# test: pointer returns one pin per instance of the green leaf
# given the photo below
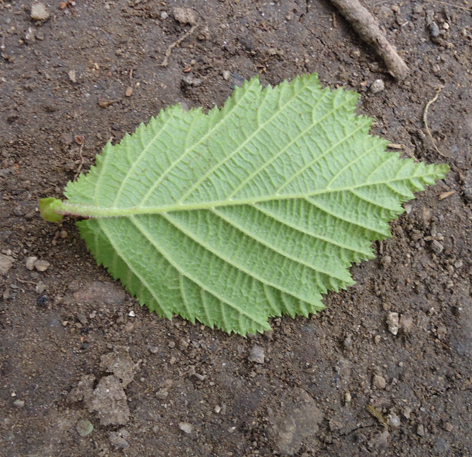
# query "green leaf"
(251, 211)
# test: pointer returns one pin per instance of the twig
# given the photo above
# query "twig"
(365, 25)
(425, 119)
(165, 62)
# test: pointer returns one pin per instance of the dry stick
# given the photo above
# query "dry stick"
(365, 25)
(165, 62)
(425, 119)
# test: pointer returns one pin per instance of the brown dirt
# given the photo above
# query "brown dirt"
(60, 327)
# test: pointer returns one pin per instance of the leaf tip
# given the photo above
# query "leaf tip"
(47, 209)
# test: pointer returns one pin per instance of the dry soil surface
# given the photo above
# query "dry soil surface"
(78, 352)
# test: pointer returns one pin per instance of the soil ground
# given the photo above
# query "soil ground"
(339, 383)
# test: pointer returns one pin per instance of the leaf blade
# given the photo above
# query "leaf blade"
(247, 212)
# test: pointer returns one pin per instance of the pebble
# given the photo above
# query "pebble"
(377, 86)
(164, 15)
(185, 16)
(162, 394)
(348, 342)
(29, 35)
(420, 430)
(30, 262)
(226, 75)
(186, 427)
(19, 403)
(6, 262)
(41, 265)
(386, 261)
(433, 29)
(379, 382)
(257, 355)
(394, 421)
(40, 287)
(437, 247)
(39, 12)
(393, 323)
(84, 427)
(448, 427)
(117, 439)
(183, 344)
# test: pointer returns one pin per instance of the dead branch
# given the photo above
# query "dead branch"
(365, 25)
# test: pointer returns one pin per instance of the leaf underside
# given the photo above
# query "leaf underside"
(248, 212)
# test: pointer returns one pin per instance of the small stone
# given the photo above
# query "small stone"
(41, 265)
(185, 16)
(420, 430)
(393, 323)
(84, 427)
(257, 355)
(217, 409)
(29, 35)
(448, 427)
(348, 343)
(379, 382)
(394, 421)
(164, 15)
(347, 398)
(40, 287)
(39, 12)
(72, 76)
(6, 262)
(162, 394)
(406, 323)
(117, 439)
(19, 403)
(407, 412)
(186, 427)
(226, 75)
(183, 344)
(30, 262)
(433, 29)
(437, 247)
(82, 318)
(377, 86)
(386, 261)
